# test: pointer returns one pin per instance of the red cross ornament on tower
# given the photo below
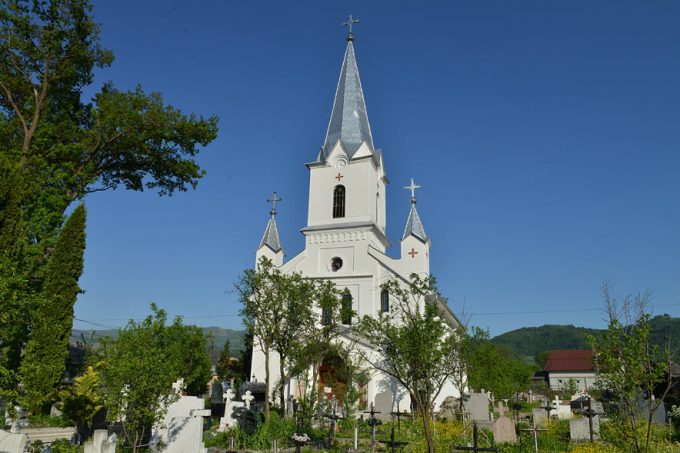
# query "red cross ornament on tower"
(413, 252)
(339, 177)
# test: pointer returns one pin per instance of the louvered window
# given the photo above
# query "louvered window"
(346, 309)
(385, 301)
(339, 201)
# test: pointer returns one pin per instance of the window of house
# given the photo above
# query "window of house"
(339, 201)
(346, 308)
(385, 301)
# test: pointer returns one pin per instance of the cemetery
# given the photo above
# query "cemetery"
(360, 341)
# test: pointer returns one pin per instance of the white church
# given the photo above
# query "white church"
(345, 235)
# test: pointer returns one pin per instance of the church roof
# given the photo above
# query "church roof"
(349, 120)
(414, 227)
(271, 236)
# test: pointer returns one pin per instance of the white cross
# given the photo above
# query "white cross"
(557, 401)
(178, 385)
(501, 409)
(412, 188)
(228, 396)
(247, 398)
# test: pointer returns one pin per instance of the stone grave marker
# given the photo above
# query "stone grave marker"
(503, 428)
(579, 428)
(383, 404)
(477, 406)
(101, 442)
(182, 427)
(12, 442)
(539, 415)
(231, 411)
(563, 411)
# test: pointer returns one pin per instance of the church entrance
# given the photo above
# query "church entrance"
(344, 381)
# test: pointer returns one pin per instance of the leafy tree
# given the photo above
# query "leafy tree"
(297, 318)
(224, 362)
(414, 344)
(139, 367)
(631, 367)
(56, 147)
(82, 401)
(494, 368)
(42, 369)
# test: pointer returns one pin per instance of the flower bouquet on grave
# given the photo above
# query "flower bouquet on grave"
(300, 440)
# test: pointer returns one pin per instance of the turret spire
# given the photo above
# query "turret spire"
(349, 121)
(414, 227)
(271, 233)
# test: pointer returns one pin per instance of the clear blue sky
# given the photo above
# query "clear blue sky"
(546, 136)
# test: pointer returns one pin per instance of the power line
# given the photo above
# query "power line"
(532, 312)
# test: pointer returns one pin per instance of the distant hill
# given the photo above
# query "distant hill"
(219, 334)
(528, 342)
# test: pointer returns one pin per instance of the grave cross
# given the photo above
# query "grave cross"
(228, 396)
(372, 422)
(393, 443)
(475, 443)
(334, 417)
(399, 414)
(590, 413)
(534, 430)
(247, 398)
(501, 410)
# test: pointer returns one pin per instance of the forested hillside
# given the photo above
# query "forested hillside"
(528, 342)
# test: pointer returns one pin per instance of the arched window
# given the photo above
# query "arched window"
(339, 201)
(326, 316)
(385, 300)
(346, 309)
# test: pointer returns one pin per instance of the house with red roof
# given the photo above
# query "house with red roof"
(565, 365)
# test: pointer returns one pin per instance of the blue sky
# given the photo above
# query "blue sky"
(546, 136)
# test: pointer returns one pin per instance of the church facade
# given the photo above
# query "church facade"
(345, 235)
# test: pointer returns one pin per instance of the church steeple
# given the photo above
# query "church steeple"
(414, 227)
(270, 245)
(349, 121)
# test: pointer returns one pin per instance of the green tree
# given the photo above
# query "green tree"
(188, 353)
(56, 147)
(224, 361)
(139, 367)
(414, 344)
(81, 401)
(630, 367)
(42, 369)
(494, 368)
(297, 318)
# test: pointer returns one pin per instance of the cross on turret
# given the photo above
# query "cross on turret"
(412, 187)
(273, 200)
(351, 21)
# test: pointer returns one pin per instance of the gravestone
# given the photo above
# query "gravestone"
(563, 411)
(231, 411)
(182, 427)
(503, 428)
(383, 404)
(539, 415)
(216, 391)
(101, 442)
(12, 442)
(659, 414)
(477, 406)
(579, 428)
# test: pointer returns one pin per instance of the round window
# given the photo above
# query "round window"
(336, 264)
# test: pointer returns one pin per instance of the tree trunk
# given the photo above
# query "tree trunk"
(425, 413)
(282, 397)
(266, 385)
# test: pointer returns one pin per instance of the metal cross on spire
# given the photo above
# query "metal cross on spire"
(412, 188)
(273, 200)
(351, 21)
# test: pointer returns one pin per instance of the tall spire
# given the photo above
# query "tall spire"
(414, 227)
(349, 121)
(271, 233)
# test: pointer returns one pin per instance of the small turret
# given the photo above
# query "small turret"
(415, 244)
(270, 245)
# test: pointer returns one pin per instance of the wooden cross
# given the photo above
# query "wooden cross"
(351, 21)
(339, 177)
(413, 252)
(534, 430)
(475, 442)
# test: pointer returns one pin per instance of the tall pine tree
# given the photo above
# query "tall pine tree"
(42, 368)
